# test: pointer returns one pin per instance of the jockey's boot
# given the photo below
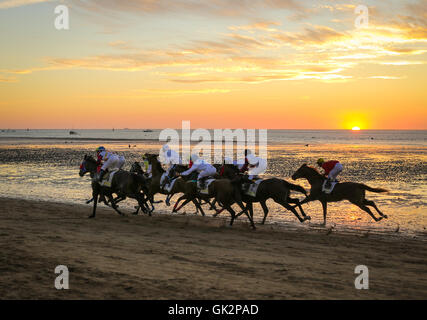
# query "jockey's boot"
(101, 175)
(328, 184)
(102, 197)
(202, 183)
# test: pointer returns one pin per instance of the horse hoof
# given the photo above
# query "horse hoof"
(307, 218)
(385, 216)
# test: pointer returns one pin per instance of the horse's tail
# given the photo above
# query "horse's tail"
(378, 190)
(295, 187)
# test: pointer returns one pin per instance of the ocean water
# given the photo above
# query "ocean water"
(401, 137)
(44, 164)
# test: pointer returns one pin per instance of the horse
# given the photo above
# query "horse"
(351, 191)
(225, 192)
(124, 184)
(277, 189)
(155, 185)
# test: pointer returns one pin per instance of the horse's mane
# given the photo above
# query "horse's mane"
(158, 164)
(90, 158)
(314, 169)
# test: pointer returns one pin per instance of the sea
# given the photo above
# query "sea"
(44, 165)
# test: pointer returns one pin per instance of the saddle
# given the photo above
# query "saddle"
(203, 186)
(251, 188)
(331, 188)
(107, 179)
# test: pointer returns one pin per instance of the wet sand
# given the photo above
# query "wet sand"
(190, 257)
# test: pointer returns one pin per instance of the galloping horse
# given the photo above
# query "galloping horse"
(124, 184)
(351, 191)
(276, 189)
(155, 185)
(225, 192)
(279, 190)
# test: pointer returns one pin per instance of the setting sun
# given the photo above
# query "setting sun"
(355, 129)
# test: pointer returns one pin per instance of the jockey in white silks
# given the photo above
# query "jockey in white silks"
(110, 161)
(204, 168)
(169, 158)
(257, 166)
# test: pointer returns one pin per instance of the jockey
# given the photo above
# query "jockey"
(242, 165)
(245, 166)
(256, 166)
(204, 169)
(332, 170)
(147, 167)
(169, 158)
(110, 161)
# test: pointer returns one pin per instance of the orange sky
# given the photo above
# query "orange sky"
(267, 64)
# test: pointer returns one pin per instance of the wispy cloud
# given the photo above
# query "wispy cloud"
(19, 3)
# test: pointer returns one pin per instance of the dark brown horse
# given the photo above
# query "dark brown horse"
(279, 190)
(351, 191)
(124, 184)
(276, 189)
(155, 184)
(225, 192)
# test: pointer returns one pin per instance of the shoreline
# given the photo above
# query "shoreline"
(190, 257)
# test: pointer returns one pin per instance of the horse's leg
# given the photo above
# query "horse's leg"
(89, 201)
(184, 203)
(232, 212)
(168, 199)
(366, 209)
(243, 211)
(177, 202)
(372, 204)
(213, 205)
(114, 206)
(198, 206)
(325, 210)
(240, 203)
(264, 207)
(142, 204)
(307, 199)
(95, 202)
(289, 207)
(298, 204)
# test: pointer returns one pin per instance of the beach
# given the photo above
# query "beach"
(169, 256)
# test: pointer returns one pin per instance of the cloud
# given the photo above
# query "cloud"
(8, 80)
(386, 77)
(217, 7)
(261, 25)
(19, 3)
(311, 35)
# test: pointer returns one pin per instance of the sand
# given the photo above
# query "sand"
(191, 257)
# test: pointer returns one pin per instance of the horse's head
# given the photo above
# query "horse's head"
(136, 168)
(230, 171)
(89, 164)
(153, 159)
(301, 172)
(305, 172)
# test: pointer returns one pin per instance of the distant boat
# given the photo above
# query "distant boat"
(73, 132)
(148, 130)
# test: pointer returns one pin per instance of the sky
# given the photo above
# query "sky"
(277, 64)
